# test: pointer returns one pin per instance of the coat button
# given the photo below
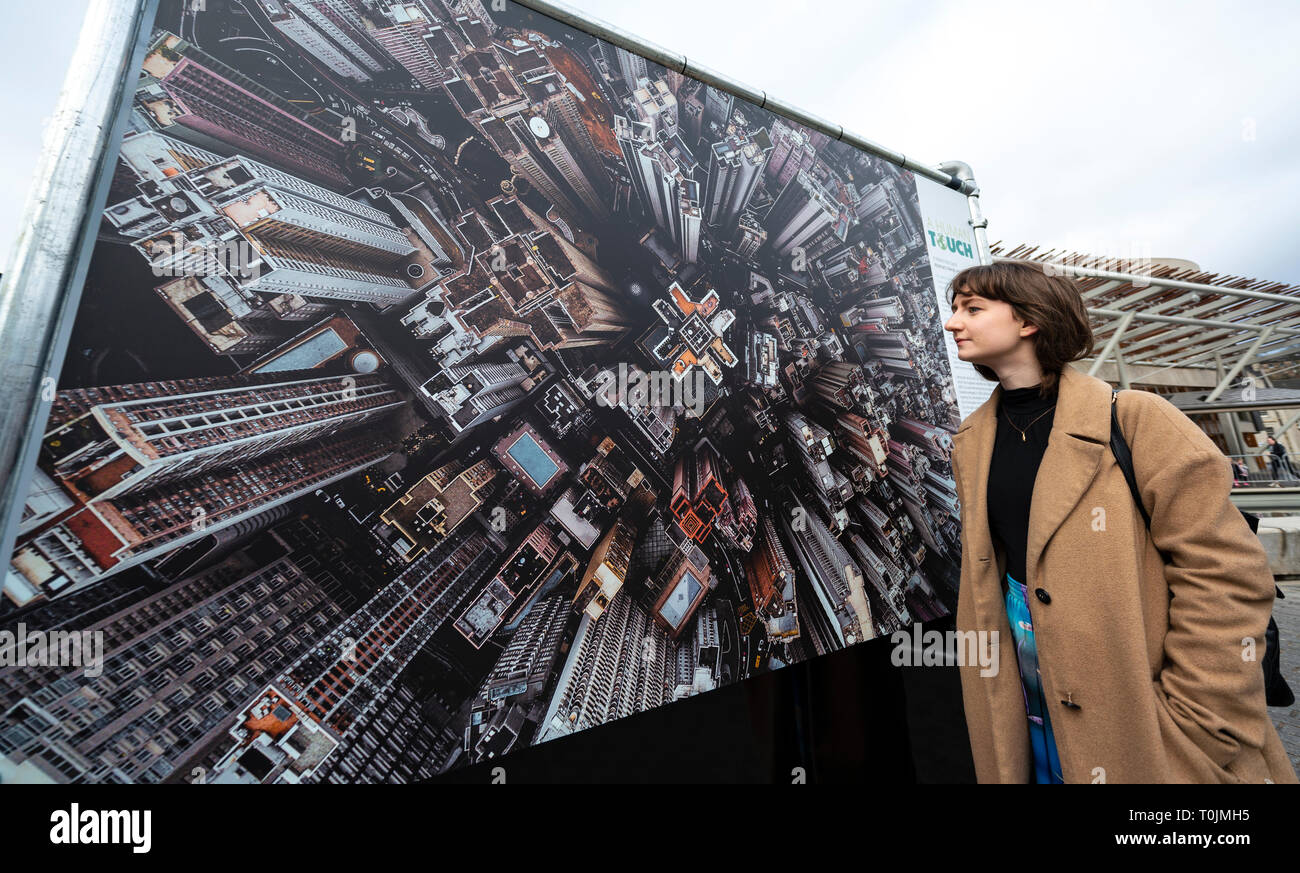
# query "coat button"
(1042, 595)
(1069, 701)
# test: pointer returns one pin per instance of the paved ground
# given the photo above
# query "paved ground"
(1287, 614)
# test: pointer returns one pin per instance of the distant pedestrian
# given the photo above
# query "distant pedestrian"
(1278, 461)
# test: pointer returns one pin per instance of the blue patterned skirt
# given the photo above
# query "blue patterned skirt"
(1047, 767)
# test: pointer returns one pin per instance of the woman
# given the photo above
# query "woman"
(1116, 667)
(1278, 462)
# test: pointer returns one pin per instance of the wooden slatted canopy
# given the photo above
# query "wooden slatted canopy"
(1168, 313)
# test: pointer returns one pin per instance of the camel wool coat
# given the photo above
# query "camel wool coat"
(1151, 672)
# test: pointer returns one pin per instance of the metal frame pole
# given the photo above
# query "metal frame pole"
(41, 287)
(1236, 368)
(962, 170)
(1111, 345)
(679, 62)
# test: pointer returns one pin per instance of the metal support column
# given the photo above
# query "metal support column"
(1226, 381)
(1112, 344)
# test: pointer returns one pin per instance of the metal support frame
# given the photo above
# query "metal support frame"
(41, 287)
(978, 222)
(1286, 426)
(1237, 367)
(1111, 344)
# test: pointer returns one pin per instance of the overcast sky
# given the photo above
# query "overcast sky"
(1163, 128)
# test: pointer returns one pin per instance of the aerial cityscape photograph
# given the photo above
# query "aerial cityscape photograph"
(448, 381)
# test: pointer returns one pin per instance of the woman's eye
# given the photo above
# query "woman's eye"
(972, 309)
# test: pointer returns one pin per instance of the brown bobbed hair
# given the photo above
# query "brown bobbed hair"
(1050, 303)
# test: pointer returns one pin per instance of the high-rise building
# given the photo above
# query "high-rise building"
(761, 359)
(888, 585)
(531, 165)
(691, 338)
(814, 445)
(690, 110)
(150, 156)
(631, 67)
(534, 562)
(604, 483)
(662, 174)
(437, 504)
(179, 663)
(537, 126)
(187, 89)
(699, 657)
(717, 112)
(213, 268)
(771, 583)
(338, 691)
(806, 214)
(835, 610)
(152, 466)
(866, 440)
(555, 140)
(528, 281)
(840, 385)
(619, 664)
(406, 30)
(738, 518)
(735, 167)
(792, 151)
(749, 237)
(894, 351)
(528, 456)
(655, 105)
(699, 492)
(510, 701)
(470, 394)
(327, 30)
(395, 741)
(679, 588)
(472, 9)
(259, 231)
(607, 569)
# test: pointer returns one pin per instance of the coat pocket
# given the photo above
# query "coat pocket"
(1183, 760)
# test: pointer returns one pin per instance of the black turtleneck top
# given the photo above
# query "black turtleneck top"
(1013, 469)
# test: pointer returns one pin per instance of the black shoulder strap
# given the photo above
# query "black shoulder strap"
(1119, 448)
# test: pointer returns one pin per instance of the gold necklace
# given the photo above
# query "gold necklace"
(1022, 432)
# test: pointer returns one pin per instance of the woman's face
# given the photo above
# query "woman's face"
(986, 331)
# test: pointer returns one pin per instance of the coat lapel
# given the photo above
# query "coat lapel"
(1080, 433)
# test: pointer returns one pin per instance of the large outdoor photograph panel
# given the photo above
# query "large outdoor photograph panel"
(448, 381)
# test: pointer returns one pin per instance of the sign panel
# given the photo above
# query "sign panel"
(950, 243)
(447, 380)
